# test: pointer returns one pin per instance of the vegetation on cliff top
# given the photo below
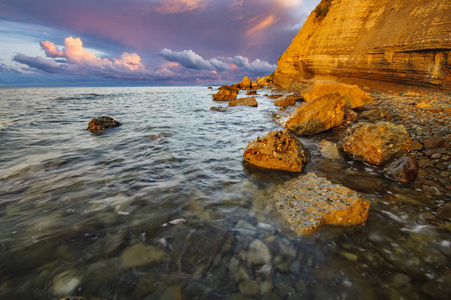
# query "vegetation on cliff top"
(323, 8)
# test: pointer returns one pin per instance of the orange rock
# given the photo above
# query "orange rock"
(277, 150)
(226, 93)
(249, 101)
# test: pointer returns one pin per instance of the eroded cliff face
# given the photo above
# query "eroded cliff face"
(398, 41)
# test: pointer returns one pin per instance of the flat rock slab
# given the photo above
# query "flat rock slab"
(277, 150)
(308, 202)
(248, 101)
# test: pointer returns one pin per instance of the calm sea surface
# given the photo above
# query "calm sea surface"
(163, 207)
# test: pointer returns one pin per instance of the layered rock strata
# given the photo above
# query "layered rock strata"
(277, 150)
(307, 202)
(400, 41)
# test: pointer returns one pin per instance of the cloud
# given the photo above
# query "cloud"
(187, 58)
(179, 6)
(262, 25)
(38, 63)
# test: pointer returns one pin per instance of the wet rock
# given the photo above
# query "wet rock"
(275, 96)
(245, 84)
(318, 115)
(434, 142)
(444, 212)
(277, 150)
(65, 284)
(248, 288)
(141, 255)
(249, 101)
(226, 93)
(376, 143)
(350, 116)
(372, 115)
(289, 100)
(252, 92)
(307, 202)
(102, 123)
(258, 253)
(329, 150)
(355, 97)
(218, 108)
(403, 169)
(210, 87)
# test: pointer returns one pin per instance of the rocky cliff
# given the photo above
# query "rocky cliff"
(397, 41)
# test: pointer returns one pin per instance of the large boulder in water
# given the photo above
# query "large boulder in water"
(289, 100)
(307, 202)
(226, 93)
(245, 84)
(376, 143)
(277, 150)
(318, 115)
(403, 169)
(249, 101)
(354, 96)
(102, 123)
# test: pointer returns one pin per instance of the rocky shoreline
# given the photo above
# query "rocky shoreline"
(408, 134)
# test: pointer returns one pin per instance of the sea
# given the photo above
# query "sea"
(164, 207)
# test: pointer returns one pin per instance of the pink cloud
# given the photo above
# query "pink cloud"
(75, 53)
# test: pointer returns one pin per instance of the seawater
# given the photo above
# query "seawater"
(164, 207)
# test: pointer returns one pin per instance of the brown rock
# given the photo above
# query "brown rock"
(329, 150)
(245, 84)
(415, 146)
(277, 150)
(350, 116)
(274, 96)
(289, 100)
(226, 93)
(354, 96)
(252, 92)
(318, 115)
(376, 143)
(444, 212)
(372, 115)
(307, 202)
(434, 142)
(409, 42)
(404, 169)
(249, 101)
(102, 123)
(433, 109)
(218, 108)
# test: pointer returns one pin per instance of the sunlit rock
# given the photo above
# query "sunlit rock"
(226, 93)
(354, 96)
(376, 143)
(65, 284)
(277, 150)
(403, 169)
(289, 100)
(102, 123)
(308, 202)
(318, 115)
(245, 84)
(248, 101)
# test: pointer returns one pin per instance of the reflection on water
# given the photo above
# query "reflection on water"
(164, 207)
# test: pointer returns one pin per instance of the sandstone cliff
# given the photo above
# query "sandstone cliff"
(398, 41)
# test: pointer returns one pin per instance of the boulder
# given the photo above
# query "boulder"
(102, 123)
(249, 101)
(329, 150)
(277, 150)
(226, 93)
(403, 169)
(354, 96)
(307, 202)
(376, 143)
(289, 100)
(245, 84)
(251, 92)
(318, 115)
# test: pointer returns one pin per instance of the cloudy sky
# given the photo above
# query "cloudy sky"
(144, 42)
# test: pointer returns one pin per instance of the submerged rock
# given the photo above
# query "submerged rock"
(65, 284)
(102, 123)
(318, 115)
(141, 255)
(218, 108)
(277, 150)
(258, 253)
(355, 97)
(403, 169)
(329, 150)
(376, 143)
(226, 93)
(249, 101)
(307, 202)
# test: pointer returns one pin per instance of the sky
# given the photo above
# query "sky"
(144, 42)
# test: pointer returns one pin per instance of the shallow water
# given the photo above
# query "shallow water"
(163, 207)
